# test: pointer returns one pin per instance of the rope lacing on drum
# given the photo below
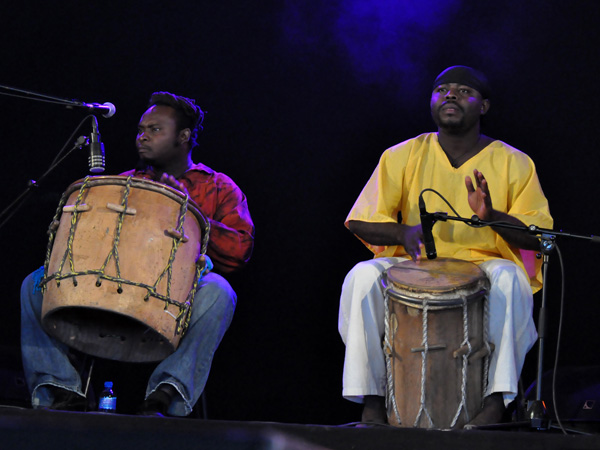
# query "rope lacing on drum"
(115, 248)
(390, 398)
(168, 270)
(201, 269)
(486, 343)
(424, 355)
(185, 307)
(54, 227)
(465, 362)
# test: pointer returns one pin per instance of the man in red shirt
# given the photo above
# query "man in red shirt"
(167, 133)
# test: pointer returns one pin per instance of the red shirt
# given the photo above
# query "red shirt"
(224, 205)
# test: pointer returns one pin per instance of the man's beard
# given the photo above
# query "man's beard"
(453, 127)
(150, 161)
(450, 125)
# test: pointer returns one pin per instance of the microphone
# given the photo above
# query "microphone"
(107, 108)
(427, 224)
(96, 158)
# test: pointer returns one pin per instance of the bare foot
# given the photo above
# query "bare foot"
(491, 413)
(374, 410)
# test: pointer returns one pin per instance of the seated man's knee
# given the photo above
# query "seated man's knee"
(215, 293)
(31, 293)
(369, 270)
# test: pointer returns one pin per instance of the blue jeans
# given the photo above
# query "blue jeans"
(46, 361)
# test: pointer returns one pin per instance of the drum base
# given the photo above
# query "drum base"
(107, 334)
(443, 372)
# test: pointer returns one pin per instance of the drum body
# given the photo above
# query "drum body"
(122, 268)
(435, 345)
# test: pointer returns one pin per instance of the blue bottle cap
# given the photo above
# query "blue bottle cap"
(108, 384)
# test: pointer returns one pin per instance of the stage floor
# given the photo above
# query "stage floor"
(32, 429)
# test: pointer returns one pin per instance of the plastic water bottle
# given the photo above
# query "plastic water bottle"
(108, 399)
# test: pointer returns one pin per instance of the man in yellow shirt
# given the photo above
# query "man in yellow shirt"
(477, 175)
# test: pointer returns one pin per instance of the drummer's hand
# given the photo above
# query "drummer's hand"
(413, 241)
(170, 180)
(479, 197)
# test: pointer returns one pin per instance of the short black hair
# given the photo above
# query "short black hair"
(189, 115)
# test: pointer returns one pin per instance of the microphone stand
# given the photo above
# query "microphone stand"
(11, 209)
(536, 409)
(68, 103)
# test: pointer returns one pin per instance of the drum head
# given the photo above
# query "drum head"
(437, 275)
(443, 280)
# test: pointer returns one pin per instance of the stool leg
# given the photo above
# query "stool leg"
(89, 377)
(204, 407)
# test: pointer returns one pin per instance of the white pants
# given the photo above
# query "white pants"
(361, 325)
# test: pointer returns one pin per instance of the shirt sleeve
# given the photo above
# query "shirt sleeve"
(380, 199)
(526, 202)
(224, 205)
(231, 229)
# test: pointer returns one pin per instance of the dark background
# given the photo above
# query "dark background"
(301, 100)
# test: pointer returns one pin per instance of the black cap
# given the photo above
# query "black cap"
(467, 76)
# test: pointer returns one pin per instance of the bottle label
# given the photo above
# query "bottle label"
(108, 404)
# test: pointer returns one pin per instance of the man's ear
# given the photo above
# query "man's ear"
(485, 106)
(185, 135)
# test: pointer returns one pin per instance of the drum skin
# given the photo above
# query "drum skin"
(445, 284)
(121, 321)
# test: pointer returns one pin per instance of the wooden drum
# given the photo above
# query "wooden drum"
(123, 262)
(435, 342)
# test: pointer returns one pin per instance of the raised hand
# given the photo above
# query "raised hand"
(479, 197)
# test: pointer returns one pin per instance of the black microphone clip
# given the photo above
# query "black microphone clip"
(427, 221)
(96, 158)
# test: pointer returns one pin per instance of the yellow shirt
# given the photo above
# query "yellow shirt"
(411, 166)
